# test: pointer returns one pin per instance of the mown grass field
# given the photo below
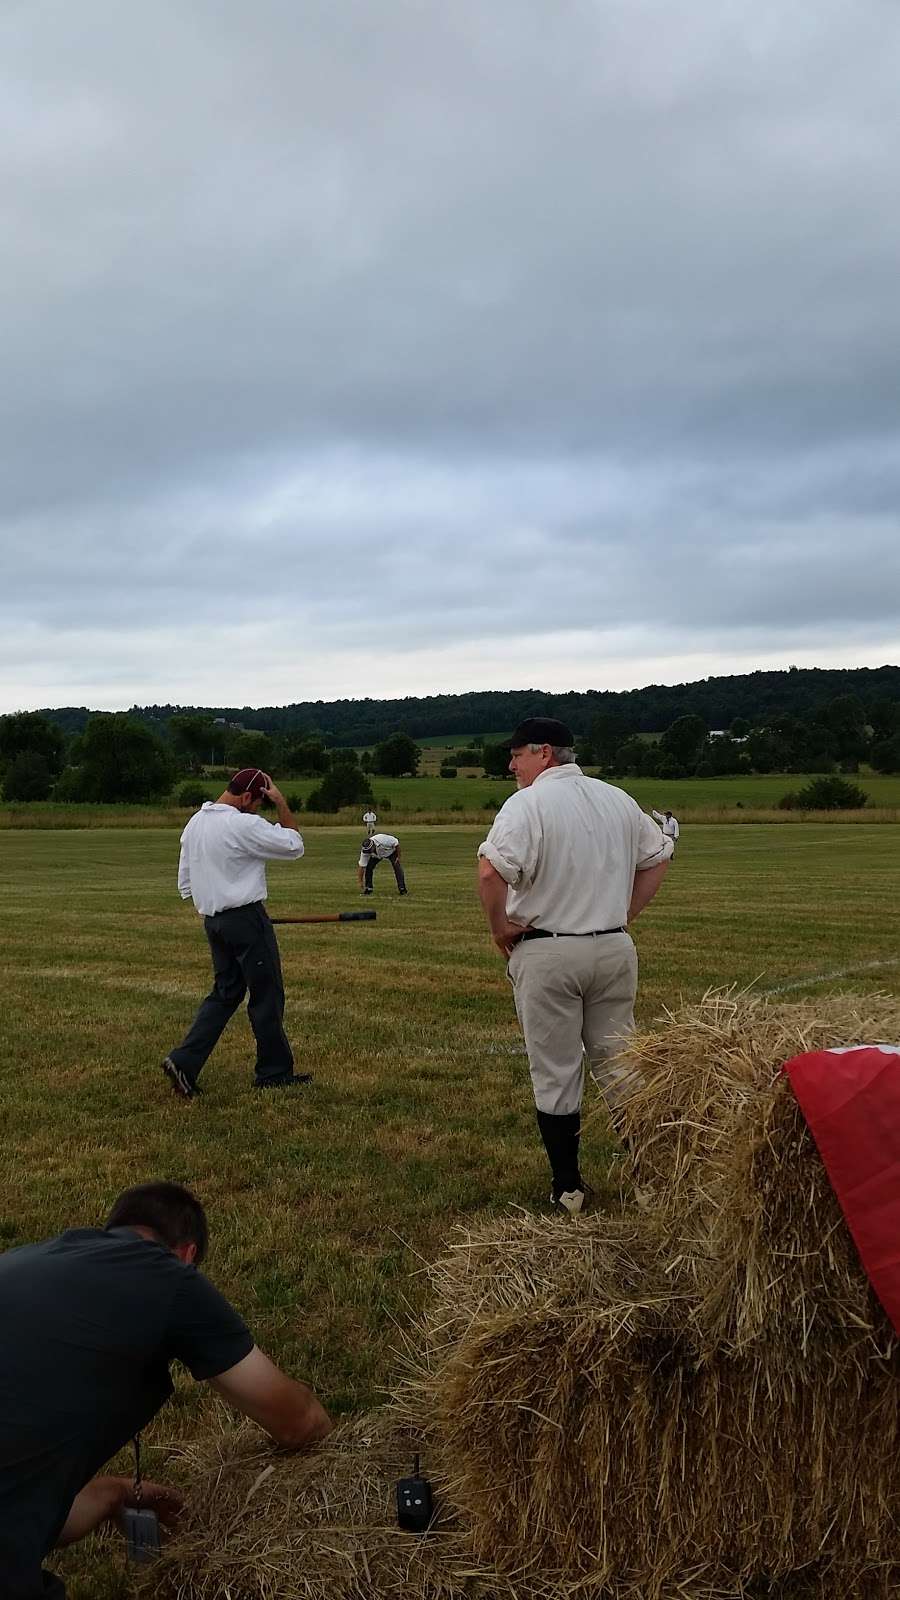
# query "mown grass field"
(323, 1203)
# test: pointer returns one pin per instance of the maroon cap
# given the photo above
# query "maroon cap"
(250, 780)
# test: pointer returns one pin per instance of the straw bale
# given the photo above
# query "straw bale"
(267, 1525)
(777, 1262)
(594, 1441)
(703, 1065)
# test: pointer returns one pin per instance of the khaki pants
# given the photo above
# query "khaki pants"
(575, 999)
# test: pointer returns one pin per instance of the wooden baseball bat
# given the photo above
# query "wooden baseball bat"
(329, 916)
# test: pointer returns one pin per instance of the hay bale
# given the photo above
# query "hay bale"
(267, 1525)
(774, 1259)
(704, 1064)
(590, 1434)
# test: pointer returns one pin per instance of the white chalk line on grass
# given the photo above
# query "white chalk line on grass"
(831, 977)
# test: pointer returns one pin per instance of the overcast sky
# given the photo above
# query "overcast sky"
(399, 346)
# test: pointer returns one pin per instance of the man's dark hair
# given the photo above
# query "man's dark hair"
(169, 1209)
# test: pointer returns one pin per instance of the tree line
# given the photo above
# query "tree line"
(119, 758)
(757, 697)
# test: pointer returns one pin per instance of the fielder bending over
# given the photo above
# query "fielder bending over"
(380, 847)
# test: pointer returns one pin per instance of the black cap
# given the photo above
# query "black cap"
(542, 730)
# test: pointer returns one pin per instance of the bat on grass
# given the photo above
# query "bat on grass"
(328, 916)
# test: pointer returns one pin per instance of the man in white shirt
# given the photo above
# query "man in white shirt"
(370, 819)
(568, 863)
(669, 825)
(224, 849)
(379, 847)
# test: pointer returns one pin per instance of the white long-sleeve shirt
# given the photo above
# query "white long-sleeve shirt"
(568, 847)
(223, 856)
(669, 825)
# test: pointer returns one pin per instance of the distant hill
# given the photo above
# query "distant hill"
(754, 695)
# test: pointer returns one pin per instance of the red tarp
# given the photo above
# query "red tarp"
(851, 1101)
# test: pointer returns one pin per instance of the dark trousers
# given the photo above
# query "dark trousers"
(245, 960)
(393, 858)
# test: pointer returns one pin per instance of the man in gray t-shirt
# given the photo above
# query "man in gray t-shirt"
(89, 1322)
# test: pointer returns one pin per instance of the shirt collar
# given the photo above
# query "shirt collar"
(571, 768)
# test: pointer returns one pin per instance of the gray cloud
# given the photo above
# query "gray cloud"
(433, 331)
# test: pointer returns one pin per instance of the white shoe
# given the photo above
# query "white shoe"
(570, 1202)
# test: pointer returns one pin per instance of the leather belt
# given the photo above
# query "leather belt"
(546, 933)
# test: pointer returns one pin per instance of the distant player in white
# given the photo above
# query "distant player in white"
(370, 819)
(380, 847)
(669, 824)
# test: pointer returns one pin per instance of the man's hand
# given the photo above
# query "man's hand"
(104, 1499)
(289, 1411)
(507, 935)
(285, 814)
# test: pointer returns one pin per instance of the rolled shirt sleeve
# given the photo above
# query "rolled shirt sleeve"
(270, 841)
(653, 845)
(512, 845)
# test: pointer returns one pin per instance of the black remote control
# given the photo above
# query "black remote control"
(415, 1502)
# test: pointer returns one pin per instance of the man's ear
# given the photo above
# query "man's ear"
(186, 1253)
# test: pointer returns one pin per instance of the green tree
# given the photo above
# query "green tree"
(197, 741)
(396, 756)
(630, 757)
(495, 759)
(719, 758)
(344, 785)
(121, 759)
(191, 794)
(845, 719)
(250, 748)
(302, 758)
(28, 731)
(682, 742)
(609, 731)
(884, 719)
(28, 777)
(740, 728)
(885, 756)
(826, 794)
(344, 756)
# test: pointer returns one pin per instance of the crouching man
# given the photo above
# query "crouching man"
(89, 1322)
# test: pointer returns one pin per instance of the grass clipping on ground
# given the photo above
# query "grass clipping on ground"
(701, 1399)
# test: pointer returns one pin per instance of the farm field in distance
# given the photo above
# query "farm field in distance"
(322, 1202)
(682, 794)
(401, 800)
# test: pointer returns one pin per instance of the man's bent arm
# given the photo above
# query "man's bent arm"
(285, 814)
(492, 894)
(644, 888)
(289, 1411)
(184, 875)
